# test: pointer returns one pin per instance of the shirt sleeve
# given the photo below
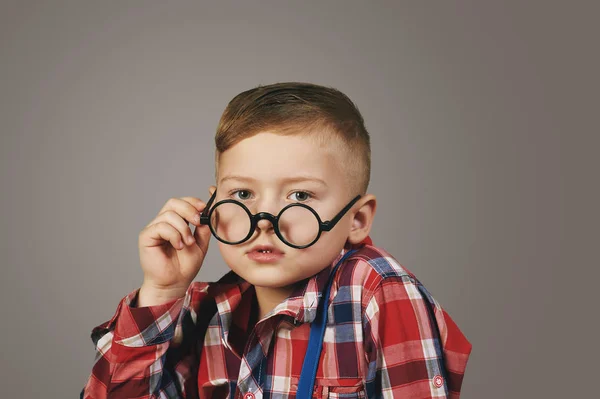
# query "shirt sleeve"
(414, 349)
(149, 352)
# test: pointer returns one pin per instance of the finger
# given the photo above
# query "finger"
(164, 232)
(188, 210)
(195, 202)
(175, 220)
(198, 205)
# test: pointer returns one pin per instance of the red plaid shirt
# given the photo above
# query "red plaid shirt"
(386, 337)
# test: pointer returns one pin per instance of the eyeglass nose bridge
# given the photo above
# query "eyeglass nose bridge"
(263, 215)
(254, 219)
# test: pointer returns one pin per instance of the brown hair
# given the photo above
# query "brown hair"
(292, 108)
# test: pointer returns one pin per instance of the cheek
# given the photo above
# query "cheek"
(322, 253)
(338, 235)
(231, 255)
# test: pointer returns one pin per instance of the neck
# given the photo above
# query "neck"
(269, 297)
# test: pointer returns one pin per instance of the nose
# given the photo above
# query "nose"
(264, 225)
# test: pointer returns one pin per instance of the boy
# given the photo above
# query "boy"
(292, 171)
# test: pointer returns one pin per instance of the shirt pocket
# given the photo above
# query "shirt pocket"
(334, 389)
(341, 392)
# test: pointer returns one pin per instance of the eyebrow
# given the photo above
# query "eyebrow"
(295, 179)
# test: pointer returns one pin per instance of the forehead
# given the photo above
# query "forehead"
(269, 157)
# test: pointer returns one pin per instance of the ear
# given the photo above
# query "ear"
(362, 219)
(211, 190)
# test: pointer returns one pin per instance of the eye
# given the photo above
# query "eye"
(301, 196)
(244, 195)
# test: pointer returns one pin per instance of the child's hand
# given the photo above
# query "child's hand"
(170, 262)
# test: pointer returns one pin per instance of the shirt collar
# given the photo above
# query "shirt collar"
(301, 304)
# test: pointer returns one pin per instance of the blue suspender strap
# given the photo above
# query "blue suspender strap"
(315, 341)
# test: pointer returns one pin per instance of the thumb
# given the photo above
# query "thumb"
(202, 235)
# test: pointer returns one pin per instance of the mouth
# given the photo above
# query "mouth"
(265, 254)
(265, 249)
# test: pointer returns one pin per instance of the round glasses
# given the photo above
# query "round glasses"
(297, 225)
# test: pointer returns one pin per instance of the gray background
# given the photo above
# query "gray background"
(484, 126)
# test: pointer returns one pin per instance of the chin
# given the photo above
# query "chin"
(279, 274)
(268, 277)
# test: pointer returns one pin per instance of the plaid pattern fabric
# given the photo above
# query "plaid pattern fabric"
(386, 337)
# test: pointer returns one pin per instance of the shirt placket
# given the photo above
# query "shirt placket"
(253, 366)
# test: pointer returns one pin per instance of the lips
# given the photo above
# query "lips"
(265, 254)
(266, 249)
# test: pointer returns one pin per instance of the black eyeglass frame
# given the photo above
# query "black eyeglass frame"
(206, 214)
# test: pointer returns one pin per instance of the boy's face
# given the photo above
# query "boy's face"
(257, 172)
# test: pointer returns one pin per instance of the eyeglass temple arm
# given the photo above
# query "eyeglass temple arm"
(204, 216)
(326, 226)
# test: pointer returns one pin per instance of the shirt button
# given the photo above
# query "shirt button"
(438, 381)
(249, 395)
